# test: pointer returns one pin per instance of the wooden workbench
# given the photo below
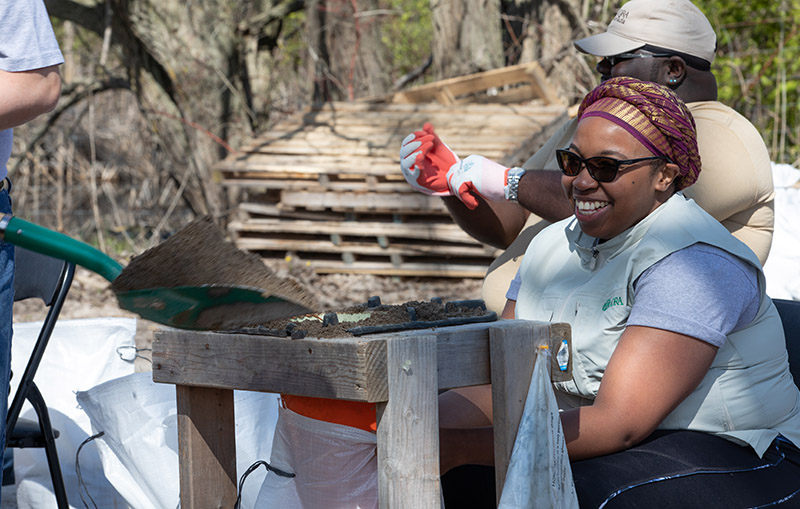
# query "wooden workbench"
(402, 372)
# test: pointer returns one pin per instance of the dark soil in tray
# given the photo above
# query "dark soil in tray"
(374, 317)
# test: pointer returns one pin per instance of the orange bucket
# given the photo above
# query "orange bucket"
(356, 414)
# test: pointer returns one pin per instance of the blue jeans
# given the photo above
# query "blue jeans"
(6, 319)
(690, 469)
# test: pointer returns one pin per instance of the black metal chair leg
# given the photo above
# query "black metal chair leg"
(37, 401)
(41, 277)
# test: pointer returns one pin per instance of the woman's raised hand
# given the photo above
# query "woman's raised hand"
(425, 161)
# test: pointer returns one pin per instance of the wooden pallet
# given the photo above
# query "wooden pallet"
(425, 231)
(318, 145)
(513, 84)
(252, 210)
(325, 184)
(422, 248)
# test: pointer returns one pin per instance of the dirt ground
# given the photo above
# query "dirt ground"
(91, 297)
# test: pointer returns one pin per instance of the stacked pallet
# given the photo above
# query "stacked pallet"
(325, 185)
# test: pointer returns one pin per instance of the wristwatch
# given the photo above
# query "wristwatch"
(512, 183)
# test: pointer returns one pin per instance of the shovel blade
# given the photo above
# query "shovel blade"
(208, 307)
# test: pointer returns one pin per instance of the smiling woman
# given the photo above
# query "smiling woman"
(681, 394)
(650, 377)
(625, 125)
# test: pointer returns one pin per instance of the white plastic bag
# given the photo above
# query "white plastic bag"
(139, 448)
(336, 466)
(539, 474)
(782, 269)
(81, 354)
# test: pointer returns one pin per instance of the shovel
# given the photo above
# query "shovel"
(204, 307)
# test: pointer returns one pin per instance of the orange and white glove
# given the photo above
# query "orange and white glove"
(425, 160)
(479, 175)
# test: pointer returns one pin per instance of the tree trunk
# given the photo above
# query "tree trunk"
(543, 31)
(188, 66)
(318, 60)
(359, 60)
(466, 37)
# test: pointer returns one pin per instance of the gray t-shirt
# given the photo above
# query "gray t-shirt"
(27, 42)
(718, 294)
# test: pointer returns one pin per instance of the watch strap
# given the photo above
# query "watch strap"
(512, 183)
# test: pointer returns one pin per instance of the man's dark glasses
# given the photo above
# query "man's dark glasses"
(601, 168)
(615, 59)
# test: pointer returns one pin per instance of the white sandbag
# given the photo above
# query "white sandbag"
(139, 448)
(539, 474)
(81, 354)
(782, 269)
(336, 466)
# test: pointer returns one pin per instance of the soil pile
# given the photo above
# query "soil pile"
(373, 317)
(199, 255)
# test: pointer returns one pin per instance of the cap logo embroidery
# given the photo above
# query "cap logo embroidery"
(621, 16)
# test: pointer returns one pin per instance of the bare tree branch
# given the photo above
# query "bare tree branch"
(134, 49)
(75, 93)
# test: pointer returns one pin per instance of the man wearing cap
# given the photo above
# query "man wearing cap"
(669, 42)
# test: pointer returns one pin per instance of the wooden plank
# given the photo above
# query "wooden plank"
(285, 162)
(449, 232)
(514, 95)
(478, 82)
(365, 152)
(306, 177)
(512, 351)
(319, 178)
(345, 369)
(253, 210)
(492, 78)
(258, 182)
(393, 123)
(368, 148)
(386, 202)
(418, 108)
(463, 355)
(455, 120)
(301, 246)
(451, 269)
(261, 167)
(206, 441)
(540, 83)
(351, 368)
(463, 117)
(408, 426)
(383, 128)
(249, 210)
(463, 351)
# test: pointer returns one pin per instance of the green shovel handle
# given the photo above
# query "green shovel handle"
(41, 240)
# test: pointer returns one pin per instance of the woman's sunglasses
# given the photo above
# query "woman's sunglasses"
(601, 168)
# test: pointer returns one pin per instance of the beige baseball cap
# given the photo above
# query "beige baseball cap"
(676, 25)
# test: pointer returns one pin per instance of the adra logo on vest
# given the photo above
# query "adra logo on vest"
(616, 301)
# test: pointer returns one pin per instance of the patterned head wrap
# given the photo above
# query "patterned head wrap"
(654, 115)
